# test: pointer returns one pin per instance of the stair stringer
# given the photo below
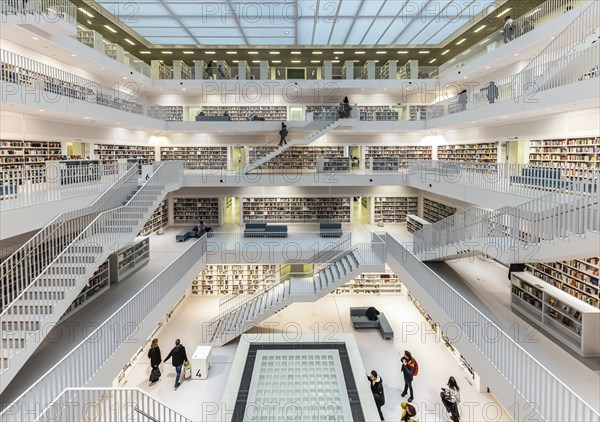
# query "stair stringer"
(250, 323)
(14, 358)
(303, 141)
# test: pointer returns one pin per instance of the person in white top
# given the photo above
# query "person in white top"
(508, 31)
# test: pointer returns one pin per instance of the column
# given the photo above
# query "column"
(199, 66)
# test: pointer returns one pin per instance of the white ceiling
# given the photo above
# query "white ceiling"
(308, 23)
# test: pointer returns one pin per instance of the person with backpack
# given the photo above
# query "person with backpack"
(450, 398)
(377, 390)
(179, 357)
(410, 369)
(408, 411)
(155, 359)
(282, 134)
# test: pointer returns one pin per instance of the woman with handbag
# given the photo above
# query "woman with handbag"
(450, 398)
(155, 359)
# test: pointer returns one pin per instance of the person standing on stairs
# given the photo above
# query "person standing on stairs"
(377, 390)
(178, 356)
(155, 360)
(282, 134)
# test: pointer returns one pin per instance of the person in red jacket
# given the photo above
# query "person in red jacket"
(408, 370)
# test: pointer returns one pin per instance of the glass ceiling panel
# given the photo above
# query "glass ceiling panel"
(208, 23)
(126, 12)
(166, 32)
(305, 31)
(271, 41)
(322, 33)
(155, 22)
(447, 31)
(359, 28)
(391, 8)
(171, 40)
(349, 8)
(376, 30)
(409, 32)
(341, 30)
(371, 7)
(215, 32)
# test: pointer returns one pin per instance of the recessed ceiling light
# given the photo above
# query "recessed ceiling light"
(423, 52)
(461, 41)
(110, 28)
(465, 77)
(315, 61)
(445, 52)
(338, 52)
(252, 52)
(296, 61)
(275, 61)
(167, 52)
(255, 61)
(35, 38)
(118, 123)
(487, 67)
(236, 61)
(286, 32)
(484, 41)
(432, 61)
(274, 52)
(516, 54)
(296, 52)
(86, 118)
(480, 28)
(209, 52)
(231, 52)
(359, 52)
(42, 110)
(129, 41)
(451, 61)
(502, 13)
(188, 52)
(376, 61)
(144, 52)
(466, 52)
(73, 55)
(504, 117)
(335, 61)
(403, 52)
(317, 52)
(85, 12)
(380, 52)
(124, 77)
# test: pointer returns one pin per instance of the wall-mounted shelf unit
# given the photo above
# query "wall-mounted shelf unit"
(434, 211)
(243, 112)
(403, 152)
(17, 155)
(197, 158)
(579, 154)
(377, 113)
(234, 279)
(296, 210)
(394, 209)
(415, 223)
(470, 153)
(333, 165)
(158, 220)
(568, 320)
(373, 283)
(295, 158)
(417, 112)
(188, 211)
(129, 259)
(577, 277)
(111, 153)
(98, 284)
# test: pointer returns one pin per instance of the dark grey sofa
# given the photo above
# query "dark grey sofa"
(265, 230)
(360, 320)
(185, 234)
(330, 229)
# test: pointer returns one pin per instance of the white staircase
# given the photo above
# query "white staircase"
(250, 310)
(558, 226)
(323, 127)
(42, 302)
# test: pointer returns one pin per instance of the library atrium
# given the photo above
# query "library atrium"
(300, 210)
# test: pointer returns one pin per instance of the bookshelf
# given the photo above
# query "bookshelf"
(373, 283)
(243, 112)
(99, 283)
(129, 259)
(415, 223)
(111, 153)
(333, 165)
(188, 211)
(294, 158)
(470, 153)
(296, 210)
(197, 158)
(394, 209)
(377, 113)
(566, 319)
(17, 155)
(403, 152)
(434, 211)
(577, 277)
(234, 279)
(417, 112)
(323, 112)
(579, 154)
(158, 220)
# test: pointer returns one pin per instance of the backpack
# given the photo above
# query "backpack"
(416, 371)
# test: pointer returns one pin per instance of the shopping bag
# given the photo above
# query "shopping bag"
(187, 370)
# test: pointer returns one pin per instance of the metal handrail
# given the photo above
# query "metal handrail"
(42, 237)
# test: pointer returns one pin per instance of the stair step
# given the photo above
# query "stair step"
(55, 295)
(13, 343)
(27, 307)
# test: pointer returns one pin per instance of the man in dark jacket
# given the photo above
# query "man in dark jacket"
(372, 313)
(377, 390)
(408, 370)
(179, 356)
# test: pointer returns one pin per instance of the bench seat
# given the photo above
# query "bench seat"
(185, 234)
(360, 320)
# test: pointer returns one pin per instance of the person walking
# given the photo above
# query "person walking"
(492, 92)
(377, 390)
(508, 30)
(450, 398)
(408, 411)
(210, 70)
(178, 356)
(283, 132)
(408, 370)
(155, 359)
(220, 72)
(462, 100)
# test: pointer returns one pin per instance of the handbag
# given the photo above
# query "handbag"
(187, 370)
(154, 374)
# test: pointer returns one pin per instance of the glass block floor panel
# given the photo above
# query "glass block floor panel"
(298, 385)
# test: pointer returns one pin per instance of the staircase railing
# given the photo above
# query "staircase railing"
(61, 8)
(233, 302)
(548, 396)
(555, 215)
(109, 405)
(80, 365)
(27, 262)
